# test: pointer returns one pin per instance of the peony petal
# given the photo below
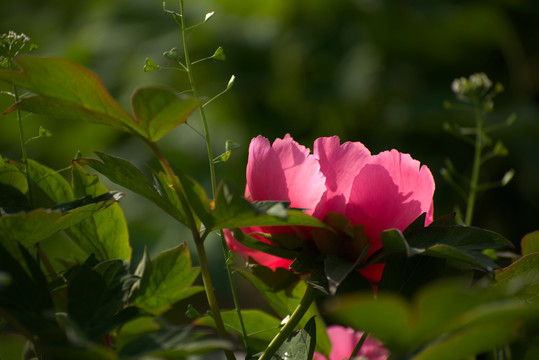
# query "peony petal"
(273, 262)
(284, 172)
(340, 164)
(391, 191)
(344, 340)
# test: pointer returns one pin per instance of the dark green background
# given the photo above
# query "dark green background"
(367, 70)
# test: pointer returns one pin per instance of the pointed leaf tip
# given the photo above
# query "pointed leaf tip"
(209, 16)
(219, 54)
(231, 82)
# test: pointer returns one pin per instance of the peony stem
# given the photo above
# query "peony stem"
(474, 180)
(358, 346)
(308, 298)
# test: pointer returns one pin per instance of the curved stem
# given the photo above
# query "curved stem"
(474, 180)
(308, 298)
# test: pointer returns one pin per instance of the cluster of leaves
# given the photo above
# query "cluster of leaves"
(98, 309)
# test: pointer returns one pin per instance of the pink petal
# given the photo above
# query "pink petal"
(344, 340)
(390, 192)
(284, 172)
(273, 262)
(340, 164)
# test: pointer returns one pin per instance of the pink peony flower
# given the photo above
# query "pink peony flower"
(344, 340)
(384, 191)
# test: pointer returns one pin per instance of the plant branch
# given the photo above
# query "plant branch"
(308, 298)
(474, 180)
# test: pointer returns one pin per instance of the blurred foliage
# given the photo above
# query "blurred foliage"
(375, 71)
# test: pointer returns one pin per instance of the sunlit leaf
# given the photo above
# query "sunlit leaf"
(165, 280)
(260, 327)
(158, 110)
(522, 276)
(123, 173)
(65, 90)
(530, 243)
(104, 234)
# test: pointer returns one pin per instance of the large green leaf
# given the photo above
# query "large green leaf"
(261, 328)
(123, 173)
(49, 187)
(523, 277)
(440, 312)
(158, 110)
(172, 343)
(283, 291)
(530, 243)
(460, 244)
(31, 227)
(104, 233)
(66, 90)
(165, 280)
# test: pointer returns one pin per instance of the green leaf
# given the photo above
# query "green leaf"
(258, 245)
(530, 243)
(261, 328)
(458, 244)
(408, 328)
(96, 297)
(26, 301)
(299, 346)
(165, 280)
(232, 210)
(31, 227)
(283, 291)
(522, 276)
(158, 110)
(150, 65)
(65, 90)
(49, 187)
(337, 269)
(123, 173)
(172, 343)
(105, 233)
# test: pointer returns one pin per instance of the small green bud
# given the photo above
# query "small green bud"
(230, 260)
(149, 65)
(11, 45)
(44, 132)
(219, 54)
(171, 54)
(231, 82)
(508, 177)
(209, 16)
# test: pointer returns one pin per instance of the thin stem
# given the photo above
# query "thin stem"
(23, 149)
(310, 295)
(358, 346)
(210, 294)
(197, 98)
(474, 180)
(234, 292)
(177, 187)
(199, 241)
(200, 245)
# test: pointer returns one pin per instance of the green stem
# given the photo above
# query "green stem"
(474, 180)
(197, 98)
(234, 293)
(23, 149)
(210, 294)
(188, 68)
(308, 298)
(199, 241)
(358, 346)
